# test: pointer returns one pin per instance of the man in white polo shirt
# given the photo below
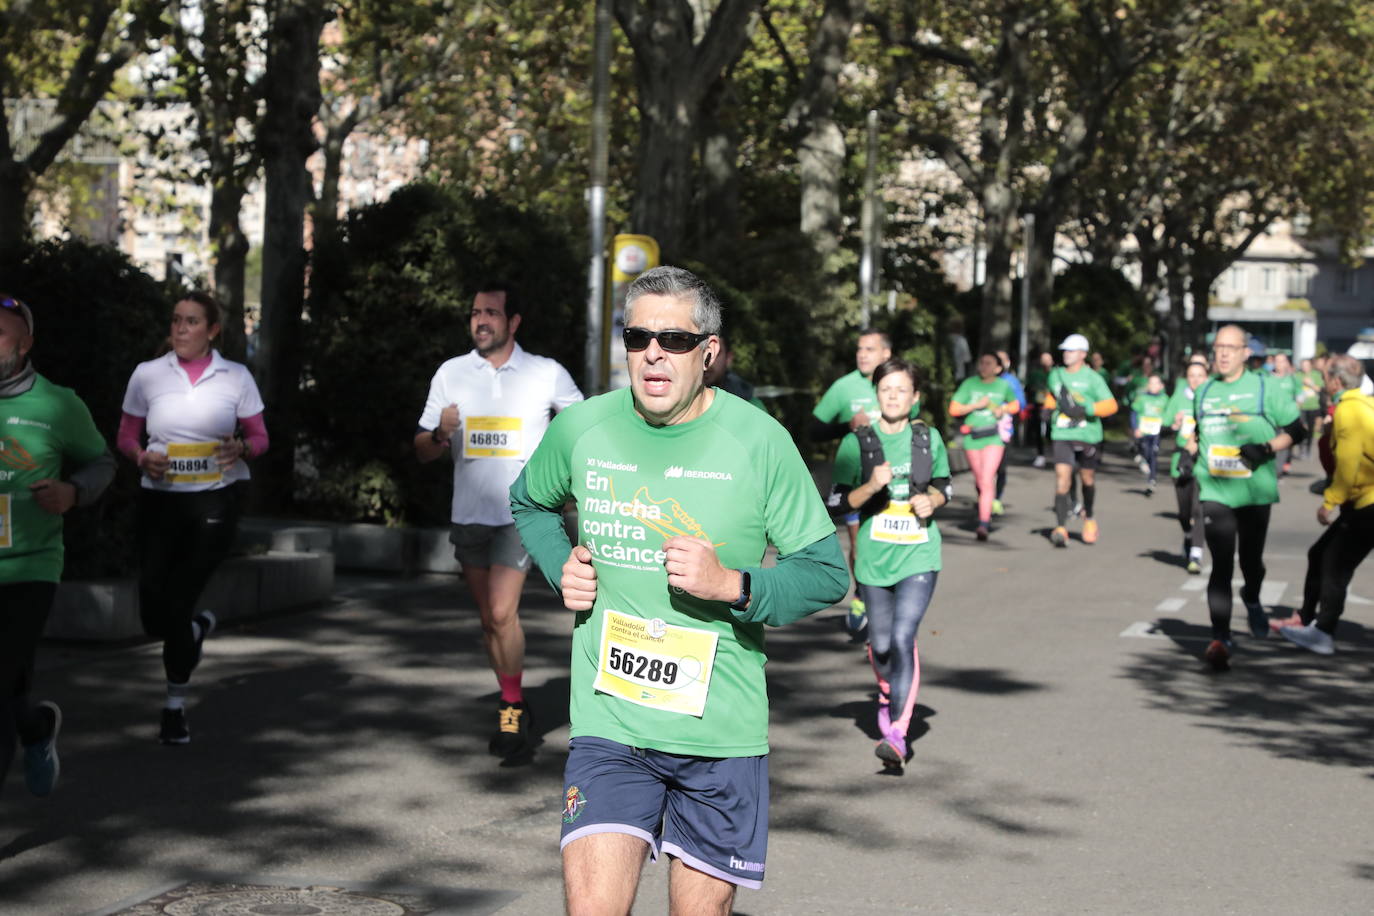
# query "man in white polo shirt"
(489, 409)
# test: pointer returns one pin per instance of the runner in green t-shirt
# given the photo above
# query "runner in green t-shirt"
(1037, 390)
(848, 404)
(981, 401)
(1243, 418)
(1147, 413)
(1310, 403)
(900, 562)
(1080, 400)
(680, 489)
(42, 426)
(1179, 417)
(1291, 386)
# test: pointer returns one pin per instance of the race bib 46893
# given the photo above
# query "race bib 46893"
(655, 664)
(1224, 461)
(493, 437)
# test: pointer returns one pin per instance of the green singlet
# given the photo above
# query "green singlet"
(38, 429)
(731, 476)
(893, 547)
(1229, 415)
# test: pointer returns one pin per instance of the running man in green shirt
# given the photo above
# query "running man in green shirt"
(42, 426)
(1310, 403)
(1147, 410)
(680, 489)
(1079, 399)
(1243, 418)
(848, 404)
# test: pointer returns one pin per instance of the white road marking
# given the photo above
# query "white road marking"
(1194, 585)
(1169, 605)
(1352, 598)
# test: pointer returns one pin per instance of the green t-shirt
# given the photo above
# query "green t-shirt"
(1180, 402)
(1310, 395)
(892, 548)
(1035, 384)
(1230, 415)
(38, 430)
(848, 395)
(1149, 412)
(732, 476)
(973, 389)
(1290, 385)
(1087, 387)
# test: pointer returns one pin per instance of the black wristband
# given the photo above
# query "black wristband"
(434, 434)
(742, 601)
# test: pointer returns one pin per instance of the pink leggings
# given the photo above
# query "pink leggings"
(984, 463)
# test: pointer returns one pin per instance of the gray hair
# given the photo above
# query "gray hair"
(1348, 370)
(682, 284)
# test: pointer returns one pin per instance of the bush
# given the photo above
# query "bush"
(389, 303)
(96, 316)
(1099, 302)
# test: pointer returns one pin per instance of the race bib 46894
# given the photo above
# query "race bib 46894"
(493, 437)
(192, 462)
(1224, 461)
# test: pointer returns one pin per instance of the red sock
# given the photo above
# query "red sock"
(510, 688)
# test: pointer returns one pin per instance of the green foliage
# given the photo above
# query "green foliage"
(96, 316)
(1100, 303)
(389, 304)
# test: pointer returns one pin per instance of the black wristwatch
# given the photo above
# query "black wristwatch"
(742, 601)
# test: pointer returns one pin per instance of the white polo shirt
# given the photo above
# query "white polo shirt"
(502, 415)
(187, 421)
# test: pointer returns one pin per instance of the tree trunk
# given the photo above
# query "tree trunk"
(1040, 275)
(821, 149)
(673, 74)
(719, 223)
(1176, 322)
(325, 213)
(1001, 225)
(229, 247)
(14, 203)
(286, 138)
(1200, 282)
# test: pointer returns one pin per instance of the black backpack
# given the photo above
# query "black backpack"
(871, 455)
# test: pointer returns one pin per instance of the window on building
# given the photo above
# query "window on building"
(1269, 280)
(1299, 282)
(1235, 279)
(1349, 284)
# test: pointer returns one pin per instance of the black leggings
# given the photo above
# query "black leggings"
(183, 537)
(1331, 563)
(1189, 509)
(24, 608)
(1245, 527)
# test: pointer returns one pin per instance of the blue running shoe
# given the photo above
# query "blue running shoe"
(41, 764)
(1257, 618)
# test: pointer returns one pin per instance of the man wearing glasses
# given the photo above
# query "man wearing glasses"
(1243, 419)
(488, 409)
(680, 489)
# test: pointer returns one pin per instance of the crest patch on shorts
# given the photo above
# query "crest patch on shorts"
(573, 803)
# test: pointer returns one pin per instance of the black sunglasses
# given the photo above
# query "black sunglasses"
(637, 339)
(7, 303)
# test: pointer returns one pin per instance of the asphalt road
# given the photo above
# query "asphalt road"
(1071, 753)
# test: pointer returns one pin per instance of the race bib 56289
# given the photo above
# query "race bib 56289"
(192, 462)
(493, 437)
(655, 664)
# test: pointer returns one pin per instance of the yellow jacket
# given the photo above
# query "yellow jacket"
(1352, 439)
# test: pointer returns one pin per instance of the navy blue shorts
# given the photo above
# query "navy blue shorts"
(710, 812)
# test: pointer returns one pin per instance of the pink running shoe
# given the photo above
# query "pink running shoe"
(1294, 621)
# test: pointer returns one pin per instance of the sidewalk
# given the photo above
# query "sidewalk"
(1071, 753)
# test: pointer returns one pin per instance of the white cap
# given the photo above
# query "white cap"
(1075, 342)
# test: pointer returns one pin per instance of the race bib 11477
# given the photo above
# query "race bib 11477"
(655, 664)
(898, 524)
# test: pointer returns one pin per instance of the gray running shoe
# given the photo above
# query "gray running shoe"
(1310, 638)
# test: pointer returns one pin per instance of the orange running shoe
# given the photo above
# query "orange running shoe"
(1090, 531)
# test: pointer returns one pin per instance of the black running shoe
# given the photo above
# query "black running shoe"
(1218, 655)
(206, 620)
(174, 727)
(512, 730)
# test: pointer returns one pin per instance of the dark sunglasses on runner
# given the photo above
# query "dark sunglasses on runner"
(637, 339)
(8, 303)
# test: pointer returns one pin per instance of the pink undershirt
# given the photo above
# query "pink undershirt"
(129, 439)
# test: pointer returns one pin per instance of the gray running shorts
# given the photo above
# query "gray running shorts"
(488, 545)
